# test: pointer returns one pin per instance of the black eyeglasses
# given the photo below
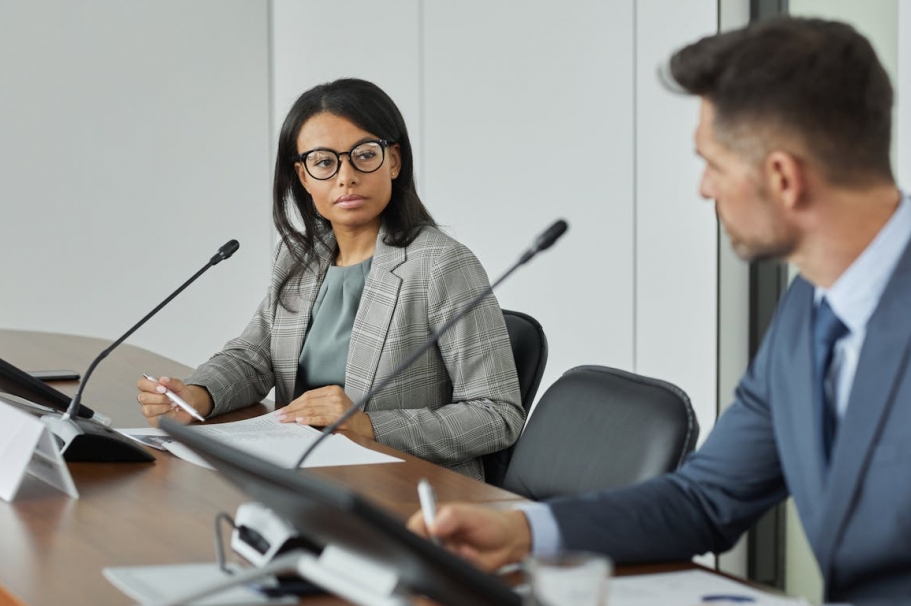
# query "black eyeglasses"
(366, 157)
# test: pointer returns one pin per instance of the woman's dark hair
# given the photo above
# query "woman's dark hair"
(820, 80)
(369, 108)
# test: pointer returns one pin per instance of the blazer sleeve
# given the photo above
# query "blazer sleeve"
(706, 505)
(486, 413)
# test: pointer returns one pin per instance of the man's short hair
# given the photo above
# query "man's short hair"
(817, 80)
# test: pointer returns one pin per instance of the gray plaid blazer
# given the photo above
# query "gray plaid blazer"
(458, 401)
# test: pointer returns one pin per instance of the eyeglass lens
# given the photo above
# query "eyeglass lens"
(366, 157)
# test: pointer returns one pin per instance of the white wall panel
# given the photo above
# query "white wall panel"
(903, 97)
(316, 42)
(133, 143)
(529, 118)
(676, 232)
(137, 137)
(521, 113)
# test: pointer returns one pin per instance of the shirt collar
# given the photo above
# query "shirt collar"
(856, 293)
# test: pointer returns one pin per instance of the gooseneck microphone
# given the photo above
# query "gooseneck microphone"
(543, 242)
(82, 440)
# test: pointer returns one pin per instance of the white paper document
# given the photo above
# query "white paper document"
(690, 588)
(160, 583)
(265, 437)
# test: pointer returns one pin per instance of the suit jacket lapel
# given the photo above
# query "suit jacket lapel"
(804, 426)
(796, 422)
(883, 357)
(371, 324)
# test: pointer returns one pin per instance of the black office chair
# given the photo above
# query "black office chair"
(598, 427)
(529, 348)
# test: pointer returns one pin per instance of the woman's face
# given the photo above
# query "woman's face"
(350, 199)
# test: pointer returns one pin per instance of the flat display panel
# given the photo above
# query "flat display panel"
(19, 383)
(325, 513)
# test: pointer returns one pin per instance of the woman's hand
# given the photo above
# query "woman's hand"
(323, 406)
(156, 404)
(487, 537)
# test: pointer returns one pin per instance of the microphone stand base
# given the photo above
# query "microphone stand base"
(82, 440)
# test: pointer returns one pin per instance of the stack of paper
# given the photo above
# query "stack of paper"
(269, 439)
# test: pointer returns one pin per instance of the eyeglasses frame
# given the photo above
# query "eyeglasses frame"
(302, 158)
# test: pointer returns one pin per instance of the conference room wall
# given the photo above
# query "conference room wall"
(134, 141)
(161, 117)
(521, 113)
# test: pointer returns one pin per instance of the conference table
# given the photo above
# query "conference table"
(53, 548)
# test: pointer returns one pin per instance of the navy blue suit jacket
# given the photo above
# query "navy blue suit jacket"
(856, 512)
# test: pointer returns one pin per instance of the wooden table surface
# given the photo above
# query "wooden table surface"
(53, 548)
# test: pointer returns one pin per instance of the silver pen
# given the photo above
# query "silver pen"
(428, 504)
(178, 400)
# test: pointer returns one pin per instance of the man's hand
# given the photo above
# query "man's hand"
(489, 538)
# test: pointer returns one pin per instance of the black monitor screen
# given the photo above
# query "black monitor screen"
(326, 513)
(19, 383)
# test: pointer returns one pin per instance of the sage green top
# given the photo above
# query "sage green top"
(325, 353)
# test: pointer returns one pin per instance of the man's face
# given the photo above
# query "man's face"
(753, 220)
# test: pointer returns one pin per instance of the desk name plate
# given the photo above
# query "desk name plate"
(27, 448)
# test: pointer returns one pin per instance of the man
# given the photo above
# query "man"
(794, 129)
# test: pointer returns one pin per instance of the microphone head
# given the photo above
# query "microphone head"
(225, 252)
(553, 233)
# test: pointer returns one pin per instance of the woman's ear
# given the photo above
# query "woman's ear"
(302, 175)
(395, 159)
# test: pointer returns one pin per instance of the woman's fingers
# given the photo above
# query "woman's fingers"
(318, 407)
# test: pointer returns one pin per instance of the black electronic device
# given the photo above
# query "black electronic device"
(92, 425)
(327, 514)
(23, 384)
(55, 375)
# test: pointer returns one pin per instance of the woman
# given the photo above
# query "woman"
(366, 282)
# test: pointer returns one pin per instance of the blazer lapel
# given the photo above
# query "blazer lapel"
(371, 324)
(306, 287)
(883, 357)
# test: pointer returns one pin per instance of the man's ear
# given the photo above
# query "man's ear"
(785, 178)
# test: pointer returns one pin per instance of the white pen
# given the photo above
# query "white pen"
(428, 504)
(178, 400)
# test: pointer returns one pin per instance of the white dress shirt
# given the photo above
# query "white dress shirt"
(855, 295)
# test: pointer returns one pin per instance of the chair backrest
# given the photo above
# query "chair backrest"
(598, 427)
(529, 348)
